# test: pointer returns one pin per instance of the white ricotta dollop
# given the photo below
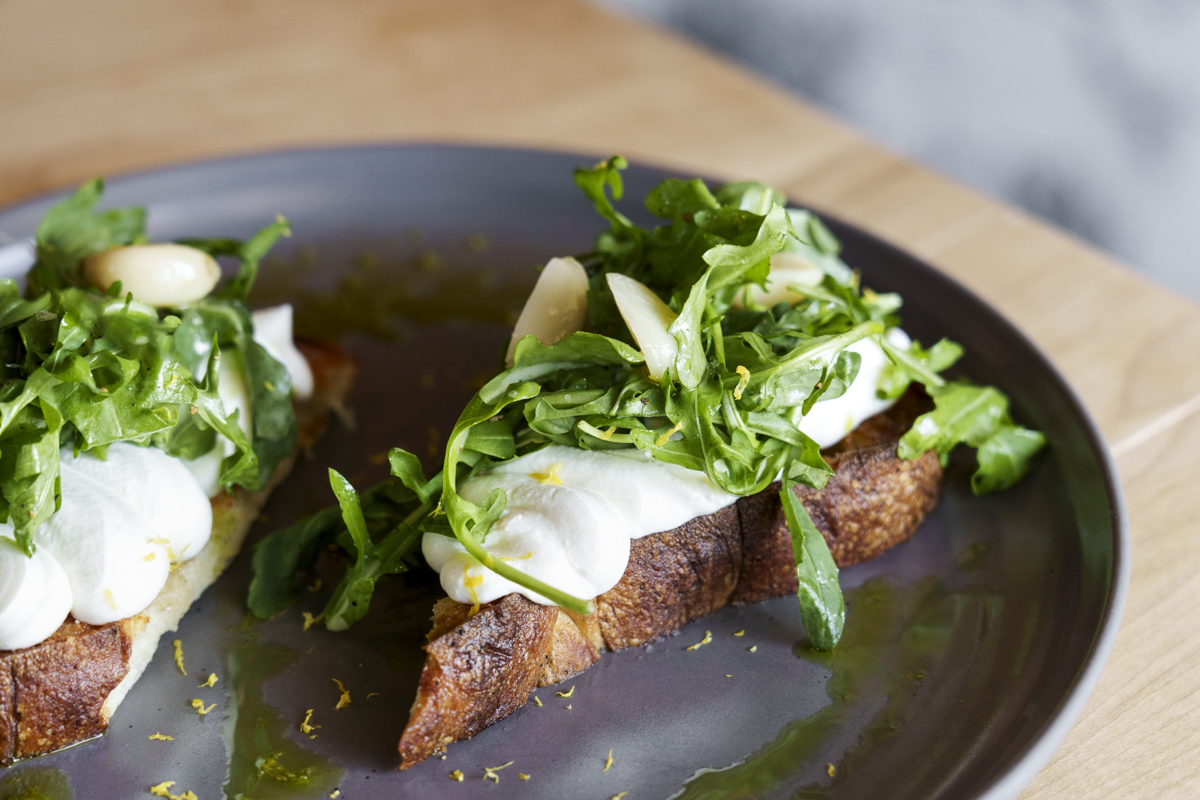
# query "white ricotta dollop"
(273, 330)
(160, 487)
(35, 595)
(572, 513)
(828, 421)
(109, 550)
(570, 517)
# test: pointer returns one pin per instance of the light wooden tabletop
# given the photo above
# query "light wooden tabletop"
(102, 88)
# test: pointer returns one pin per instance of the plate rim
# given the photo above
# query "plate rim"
(1021, 771)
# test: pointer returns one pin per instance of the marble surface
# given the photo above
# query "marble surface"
(1083, 112)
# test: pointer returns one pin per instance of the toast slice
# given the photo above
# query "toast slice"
(481, 668)
(64, 690)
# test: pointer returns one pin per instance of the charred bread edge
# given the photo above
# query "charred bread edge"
(233, 515)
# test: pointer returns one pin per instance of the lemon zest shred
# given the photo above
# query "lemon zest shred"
(609, 762)
(490, 772)
(457, 775)
(619, 795)
(537, 700)
(108, 598)
(344, 700)
(739, 633)
(316, 587)
(728, 675)
(336, 793)
(304, 726)
(178, 643)
(149, 557)
(310, 620)
(566, 694)
(550, 477)
(372, 694)
(210, 682)
(200, 709)
(743, 382)
(160, 737)
(608, 434)
(471, 582)
(522, 776)
(666, 437)
(831, 770)
(164, 790)
(707, 638)
(158, 540)
(754, 648)
(568, 706)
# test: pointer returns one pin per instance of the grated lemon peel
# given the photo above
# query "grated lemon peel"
(550, 477)
(489, 773)
(831, 770)
(310, 620)
(609, 762)
(567, 693)
(200, 709)
(160, 737)
(666, 437)
(108, 598)
(537, 700)
(210, 682)
(754, 648)
(619, 795)
(164, 790)
(743, 382)
(739, 633)
(344, 700)
(178, 643)
(457, 775)
(707, 639)
(472, 582)
(305, 727)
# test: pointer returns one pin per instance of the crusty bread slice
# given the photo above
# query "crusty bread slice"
(480, 668)
(66, 689)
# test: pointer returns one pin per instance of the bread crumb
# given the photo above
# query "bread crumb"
(566, 694)
(210, 682)
(161, 737)
(179, 655)
(609, 762)
(707, 638)
(344, 700)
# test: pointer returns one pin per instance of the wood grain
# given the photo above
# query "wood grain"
(103, 88)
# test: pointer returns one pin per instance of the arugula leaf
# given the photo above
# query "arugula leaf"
(89, 368)
(72, 230)
(822, 607)
(977, 416)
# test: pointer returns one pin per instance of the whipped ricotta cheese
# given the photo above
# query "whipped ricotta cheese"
(572, 513)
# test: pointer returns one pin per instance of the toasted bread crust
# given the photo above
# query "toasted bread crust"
(740, 554)
(64, 690)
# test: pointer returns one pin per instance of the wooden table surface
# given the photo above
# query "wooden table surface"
(100, 88)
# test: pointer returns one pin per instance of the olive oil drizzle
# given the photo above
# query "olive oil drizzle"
(263, 762)
(35, 783)
(896, 637)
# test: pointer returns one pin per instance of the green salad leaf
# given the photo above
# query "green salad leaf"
(87, 368)
(731, 405)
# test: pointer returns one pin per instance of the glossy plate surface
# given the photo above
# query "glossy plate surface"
(967, 655)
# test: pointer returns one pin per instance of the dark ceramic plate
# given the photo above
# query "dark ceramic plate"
(968, 652)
